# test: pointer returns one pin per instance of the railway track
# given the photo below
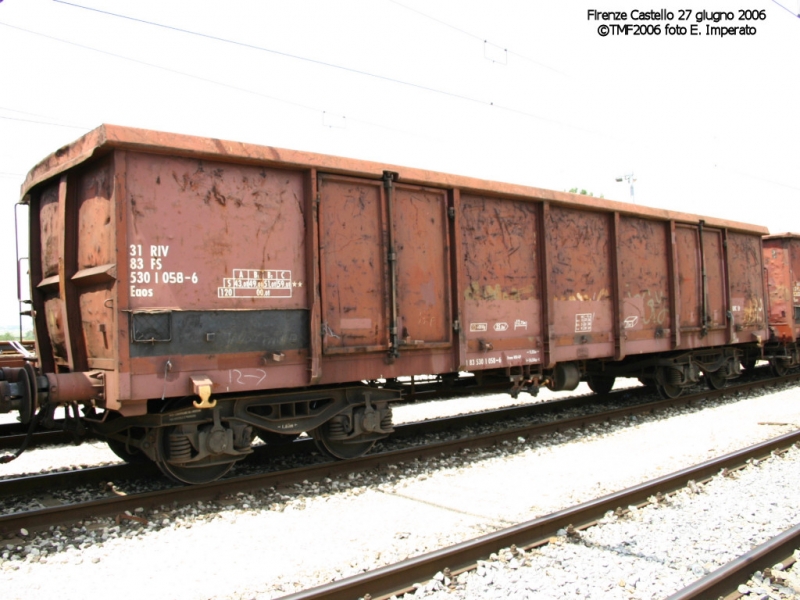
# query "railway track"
(727, 579)
(400, 578)
(264, 454)
(12, 435)
(116, 505)
(99, 477)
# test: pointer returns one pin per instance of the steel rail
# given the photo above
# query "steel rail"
(725, 580)
(13, 434)
(400, 577)
(65, 479)
(115, 505)
(40, 438)
(44, 518)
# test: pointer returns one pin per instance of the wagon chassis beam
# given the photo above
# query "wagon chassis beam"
(287, 414)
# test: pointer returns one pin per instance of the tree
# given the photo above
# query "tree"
(584, 193)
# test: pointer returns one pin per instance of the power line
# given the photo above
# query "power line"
(22, 112)
(474, 36)
(155, 66)
(271, 51)
(331, 65)
(756, 177)
(450, 25)
(44, 122)
(786, 9)
(189, 75)
(306, 59)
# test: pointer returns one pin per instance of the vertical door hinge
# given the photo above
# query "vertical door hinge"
(388, 178)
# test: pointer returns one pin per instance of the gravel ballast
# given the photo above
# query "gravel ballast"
(274, 542)
(653, 551)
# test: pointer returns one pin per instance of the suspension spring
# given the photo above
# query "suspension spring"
(675, 377)
(180, 448)
(386, 421)
(336, 428)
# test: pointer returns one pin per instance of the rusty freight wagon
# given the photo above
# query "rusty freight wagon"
(782, 266)
(190, 293)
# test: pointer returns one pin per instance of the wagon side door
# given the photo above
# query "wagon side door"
(353, 270)
(362, 231)
(702, 283)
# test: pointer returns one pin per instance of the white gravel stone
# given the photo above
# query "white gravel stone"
(659, 548)
(290, 539)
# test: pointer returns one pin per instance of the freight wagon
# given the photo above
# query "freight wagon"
(190, 293)
(782, 267)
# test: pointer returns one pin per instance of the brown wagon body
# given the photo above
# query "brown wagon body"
(782, 268)
(166, 266)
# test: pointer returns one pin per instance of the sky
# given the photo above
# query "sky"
(522, 91)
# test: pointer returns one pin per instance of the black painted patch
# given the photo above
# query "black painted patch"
(226, 332)
(151, 326)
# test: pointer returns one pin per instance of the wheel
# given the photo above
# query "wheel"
(130, 454)
(338, 448)
(715, 381)
(668, 391)
(126, 451)
(204, 471)
(779, 368)
(194, 473)
(601, 384)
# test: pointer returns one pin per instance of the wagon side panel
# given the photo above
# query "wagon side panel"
(747, 287)
(777, 263)
(645, 286)
(96, 274)
(716, 285)
(48, 228)
(794, 265)
(215, 275)
(501, 295)
(580, 282)
(689, 278)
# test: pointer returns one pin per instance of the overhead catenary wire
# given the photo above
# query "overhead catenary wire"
(189, 75)
(474, 36)
(81, 127)
(30, 114)
(331, 65)
(315, 109)
(270, 97)
(787, 9)
(757, 177)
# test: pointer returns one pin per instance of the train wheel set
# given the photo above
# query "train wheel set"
(190, 294)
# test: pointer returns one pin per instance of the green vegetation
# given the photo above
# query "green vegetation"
(583, 192)
(9, 336)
